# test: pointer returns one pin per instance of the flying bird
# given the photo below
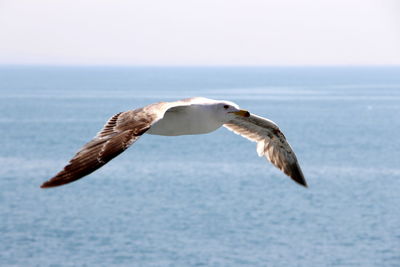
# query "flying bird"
(196, 115)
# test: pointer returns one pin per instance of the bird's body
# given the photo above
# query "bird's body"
(186, 121)
(184, 117)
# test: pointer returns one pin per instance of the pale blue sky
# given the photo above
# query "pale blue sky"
(202, 32)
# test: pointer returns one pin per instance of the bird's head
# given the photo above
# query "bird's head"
(228, 111)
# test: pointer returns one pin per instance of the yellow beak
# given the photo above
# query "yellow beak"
(243, 113)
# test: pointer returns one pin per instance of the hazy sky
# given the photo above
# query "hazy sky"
(200, 32)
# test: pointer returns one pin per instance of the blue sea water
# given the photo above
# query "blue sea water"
(205, 200)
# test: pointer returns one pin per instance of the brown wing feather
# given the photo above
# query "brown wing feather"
(93, 156)
(109, 127)
(271, 143)
(121, 130)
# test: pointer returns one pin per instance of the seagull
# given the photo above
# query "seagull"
(197, 115)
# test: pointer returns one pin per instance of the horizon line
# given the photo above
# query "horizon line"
(197, 66)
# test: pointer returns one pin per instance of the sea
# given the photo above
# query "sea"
(202, 200)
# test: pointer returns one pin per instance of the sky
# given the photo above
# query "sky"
(200, 32)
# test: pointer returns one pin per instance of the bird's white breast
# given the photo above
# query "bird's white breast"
(187, 120)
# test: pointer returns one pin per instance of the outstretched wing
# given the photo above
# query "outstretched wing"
(121, 131)
(271, 143)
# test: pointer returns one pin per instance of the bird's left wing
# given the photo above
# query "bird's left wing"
(120, 131)
(271, 143)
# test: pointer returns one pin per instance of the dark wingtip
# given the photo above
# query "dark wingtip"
(297, 175)
(48, 184)
(57, 180)
(301, 182)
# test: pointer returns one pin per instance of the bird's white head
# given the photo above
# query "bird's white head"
(227, 111)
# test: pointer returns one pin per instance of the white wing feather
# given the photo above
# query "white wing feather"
(271, 143)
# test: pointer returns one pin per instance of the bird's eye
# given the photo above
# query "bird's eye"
(226, 106)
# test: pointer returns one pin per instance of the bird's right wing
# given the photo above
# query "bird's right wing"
(271, 143)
